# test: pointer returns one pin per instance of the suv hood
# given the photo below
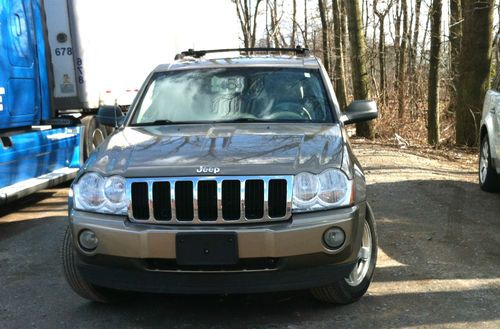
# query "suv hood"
(236, 149)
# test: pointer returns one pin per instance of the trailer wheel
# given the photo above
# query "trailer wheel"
(95, 134)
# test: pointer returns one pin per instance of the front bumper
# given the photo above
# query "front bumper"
(296, 247)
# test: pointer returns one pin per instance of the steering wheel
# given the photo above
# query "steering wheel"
(290, 110)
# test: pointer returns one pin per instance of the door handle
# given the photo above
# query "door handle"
(493, 110)
(19, 30)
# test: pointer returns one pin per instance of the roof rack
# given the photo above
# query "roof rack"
(299, 50)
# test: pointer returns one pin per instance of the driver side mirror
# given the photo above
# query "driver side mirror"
(110, 115)
(359, 111)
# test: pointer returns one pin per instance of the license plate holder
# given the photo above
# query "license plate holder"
(206, 248)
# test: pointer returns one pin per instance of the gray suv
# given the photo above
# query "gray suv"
(227, 175)
(489, 152)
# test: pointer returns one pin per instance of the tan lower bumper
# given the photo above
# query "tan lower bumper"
(301, 236)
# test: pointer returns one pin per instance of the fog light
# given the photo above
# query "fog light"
(334, 237)
(88, 240)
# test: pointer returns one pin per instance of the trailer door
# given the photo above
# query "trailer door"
(19, 90)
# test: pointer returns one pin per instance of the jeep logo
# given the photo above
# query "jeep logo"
(202, 169)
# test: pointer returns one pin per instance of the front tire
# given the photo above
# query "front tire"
(354, 286)
(488, 179)
(76, 281)
(95, 134)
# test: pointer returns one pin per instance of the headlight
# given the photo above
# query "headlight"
(330, 189)
(114, 191)
(95, 193)
(333, 187)
(305, 188)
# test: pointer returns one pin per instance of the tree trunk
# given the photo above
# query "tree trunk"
(339, 74)
(455, 42)
(275, 24)
(433, 84)
(397, 39)
(325, 35)
(294, 23)
(413, 60)
(416, 34)
(360, 78)
(402, 61)
(381, 58)
(248, 21)
(424, 40)
(254, 30)
(474, 68)
(382, 14)
(306, 42)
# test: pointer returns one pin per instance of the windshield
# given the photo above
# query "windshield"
(234, 95)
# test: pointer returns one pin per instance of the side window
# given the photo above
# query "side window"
(147, 101)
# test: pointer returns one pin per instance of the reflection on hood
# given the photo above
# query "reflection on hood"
(242, 149)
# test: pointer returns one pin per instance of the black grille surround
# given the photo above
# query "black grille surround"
(209, 200)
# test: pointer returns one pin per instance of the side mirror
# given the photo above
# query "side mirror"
(359, 111)
(110, 115)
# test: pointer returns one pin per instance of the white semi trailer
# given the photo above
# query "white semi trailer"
(103, 49)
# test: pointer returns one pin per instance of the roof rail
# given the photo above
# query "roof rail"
(299, 50)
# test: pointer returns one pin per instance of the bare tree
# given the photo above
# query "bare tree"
(455, 45)
(248, 21)
(402, 60)
(412, 61)
(433, 84)
(381, 14)
(275, 26)
(397, 38)
(416, 34)
(339, 74)
(304, 33)
(474, 68)
(325, 35)
(360, 78)
(294, 23)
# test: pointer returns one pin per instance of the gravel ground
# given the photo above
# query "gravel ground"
(438, 266)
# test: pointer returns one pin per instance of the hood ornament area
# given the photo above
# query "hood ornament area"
(203, 169)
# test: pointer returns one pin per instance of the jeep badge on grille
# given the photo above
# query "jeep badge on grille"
(202, 169)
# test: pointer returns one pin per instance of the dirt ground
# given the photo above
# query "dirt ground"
(438, 265)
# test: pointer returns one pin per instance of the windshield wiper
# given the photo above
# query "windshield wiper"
(243, 120)
(168, 122)
(155, 123)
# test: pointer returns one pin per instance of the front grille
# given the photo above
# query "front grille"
(183, 201)
(254, 198)
(210, 200)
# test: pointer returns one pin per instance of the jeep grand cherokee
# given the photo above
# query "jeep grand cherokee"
(227, 175)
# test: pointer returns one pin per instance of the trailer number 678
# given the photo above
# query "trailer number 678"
(63, 51)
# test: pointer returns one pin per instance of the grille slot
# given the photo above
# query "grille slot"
(254, 199)
(210, 200)
(207, 200)
(231, 199)
(140, 206)
(184, 200)
(161, 201)
(277, 198)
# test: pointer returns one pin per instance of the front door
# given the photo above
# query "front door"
(19, 90)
